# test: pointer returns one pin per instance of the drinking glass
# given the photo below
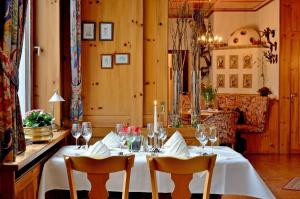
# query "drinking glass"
(150, 133)
(162, 136)
(212, 136)
(76, 132)
(201, 135)
(86, 134)
(130, 138)
(120, 132)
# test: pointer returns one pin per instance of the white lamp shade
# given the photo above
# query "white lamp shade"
(56, 98)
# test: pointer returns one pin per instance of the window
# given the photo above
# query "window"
(25, 69)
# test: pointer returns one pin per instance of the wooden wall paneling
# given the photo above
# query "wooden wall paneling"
(289, 76)
(268, 141)
(112, 96)
(46, 67)
(155, 58)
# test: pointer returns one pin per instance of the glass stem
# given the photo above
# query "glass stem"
(76, 142)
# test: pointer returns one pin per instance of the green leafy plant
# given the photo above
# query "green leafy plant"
(208, 93)
(37, 118)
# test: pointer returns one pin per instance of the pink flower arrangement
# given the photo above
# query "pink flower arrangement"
(132, 129)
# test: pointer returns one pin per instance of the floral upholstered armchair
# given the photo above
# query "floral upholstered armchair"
(225, 123)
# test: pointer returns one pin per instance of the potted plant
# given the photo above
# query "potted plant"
(37, 126)
(264, 91)
(208, 93)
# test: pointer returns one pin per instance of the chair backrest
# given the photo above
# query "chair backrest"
(181, 172)
(98, 173)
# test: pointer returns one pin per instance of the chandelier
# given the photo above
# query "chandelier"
(209, 39)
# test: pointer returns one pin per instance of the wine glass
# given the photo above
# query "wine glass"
(76, 132)
(201, 135)
(120, 132)
(86, 132)
(150, 132)
(162, 135)
(212, 136)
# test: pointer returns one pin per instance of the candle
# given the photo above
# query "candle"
(155, 117)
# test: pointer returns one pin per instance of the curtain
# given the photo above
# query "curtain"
(12, 20)
(75, 21)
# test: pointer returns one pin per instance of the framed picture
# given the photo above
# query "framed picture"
(221, 81)
(247, 81)
(122, 58)
(221, 62)
(234, 81)
(88, 31)
(106, 61)
(106, 31)
(247, 61)
(233, 61)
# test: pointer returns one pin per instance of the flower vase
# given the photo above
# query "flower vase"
(176, 108)
(195, 98)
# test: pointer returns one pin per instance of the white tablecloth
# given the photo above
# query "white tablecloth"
(233, 174)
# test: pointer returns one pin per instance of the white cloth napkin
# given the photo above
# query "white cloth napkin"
(112, 140)
(176, 136)
(177, 149)
(97, 150)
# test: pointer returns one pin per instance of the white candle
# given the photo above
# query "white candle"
(155, 117)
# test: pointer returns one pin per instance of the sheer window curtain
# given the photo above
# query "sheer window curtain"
(12, 19)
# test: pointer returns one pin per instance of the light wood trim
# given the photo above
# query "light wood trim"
(98, 173)
(181, 171)
(35, 150)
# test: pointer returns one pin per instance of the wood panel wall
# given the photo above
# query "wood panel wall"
(46, 67)
(115, 95)
(155, 59)
(289, 76)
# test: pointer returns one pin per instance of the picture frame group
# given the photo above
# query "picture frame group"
(106, 31)
(108, 60)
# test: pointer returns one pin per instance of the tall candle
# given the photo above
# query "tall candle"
(155, 117)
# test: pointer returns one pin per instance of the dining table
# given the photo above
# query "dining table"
(233, 174)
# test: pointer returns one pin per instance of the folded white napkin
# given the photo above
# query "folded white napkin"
(97, 150)
(112, 140)
(177, 149)
(176, 136)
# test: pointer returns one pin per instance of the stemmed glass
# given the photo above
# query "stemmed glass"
(76, 132)
(201, 136)
(162, 136)
(87, 132)
(212, 136)
(120, 132)
(150, 133)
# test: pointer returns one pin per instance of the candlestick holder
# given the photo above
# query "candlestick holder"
(155, 143)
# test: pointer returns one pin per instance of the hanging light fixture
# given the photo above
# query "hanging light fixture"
(209, 39)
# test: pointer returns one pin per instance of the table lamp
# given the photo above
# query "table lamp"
(55, 99)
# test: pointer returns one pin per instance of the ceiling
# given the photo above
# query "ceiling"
(209, 6)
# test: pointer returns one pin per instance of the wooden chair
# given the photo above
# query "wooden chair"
(181, 173)
(98, 173)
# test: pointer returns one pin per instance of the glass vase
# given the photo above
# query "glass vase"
(176, 108)
(195, 98)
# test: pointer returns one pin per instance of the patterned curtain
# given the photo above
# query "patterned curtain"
(76, 103)
(12, 20)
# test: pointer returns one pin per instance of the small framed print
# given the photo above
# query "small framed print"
(88, 31)
(234, 81)
(247, 61)
(221, 81)
(106, 31)
(247, 81)
(122, 58)
(221, 62)
(233, 61)
(106, 61)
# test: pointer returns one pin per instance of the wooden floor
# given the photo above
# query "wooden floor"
(275, 170)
